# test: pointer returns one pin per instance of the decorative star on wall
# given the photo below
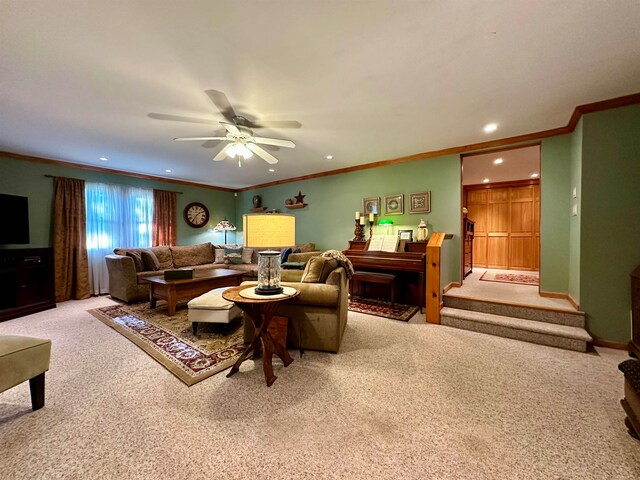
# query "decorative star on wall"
(300, 197)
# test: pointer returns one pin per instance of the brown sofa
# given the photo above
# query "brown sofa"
(318, 316)
(127, 284)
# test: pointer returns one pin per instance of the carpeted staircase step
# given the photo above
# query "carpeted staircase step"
(540, 314)
(562, 336)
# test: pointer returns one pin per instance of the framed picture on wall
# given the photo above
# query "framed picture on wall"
(371, 205)
(394, 204)
(420, 202)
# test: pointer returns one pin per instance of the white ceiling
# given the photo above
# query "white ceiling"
(517, 164)
(368, 80)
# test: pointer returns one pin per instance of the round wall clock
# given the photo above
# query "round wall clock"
(196, 215)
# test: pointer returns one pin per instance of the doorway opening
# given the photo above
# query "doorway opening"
(501, 223)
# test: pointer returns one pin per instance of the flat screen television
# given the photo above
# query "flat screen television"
(15, 211)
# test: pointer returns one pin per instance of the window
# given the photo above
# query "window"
(118, 216)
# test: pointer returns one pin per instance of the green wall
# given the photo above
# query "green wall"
(555, 168)
(589, 255)
(575, 212)
(328, 220)
(610, 225)
(20, 177)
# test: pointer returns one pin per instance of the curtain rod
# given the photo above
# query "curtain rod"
(108, 183)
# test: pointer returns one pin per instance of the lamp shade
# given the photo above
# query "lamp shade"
(385, 222)
(224, 226)
(269, 230)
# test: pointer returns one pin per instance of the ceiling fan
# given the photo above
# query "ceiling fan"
(238, 132)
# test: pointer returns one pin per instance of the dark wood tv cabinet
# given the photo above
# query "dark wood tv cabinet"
(27, 282)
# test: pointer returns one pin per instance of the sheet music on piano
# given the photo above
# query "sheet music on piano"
(383, 243)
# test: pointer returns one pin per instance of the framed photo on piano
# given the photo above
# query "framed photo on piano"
(406, 235)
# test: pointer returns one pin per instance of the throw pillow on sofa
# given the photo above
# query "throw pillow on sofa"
(318, 269)
(234, 255)
(137, 261)
(284, 254)
(186, 256)
(219, 255)
(151, 262)
(247, 254)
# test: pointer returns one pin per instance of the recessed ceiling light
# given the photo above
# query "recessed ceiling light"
(168, 171)
(490, 127)
(486, 180)
(104, 159)
(271, 170)
(498, 161)
(534, 175)
(329, 157)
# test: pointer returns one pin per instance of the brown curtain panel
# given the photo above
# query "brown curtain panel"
(164, 218)
(69, 240)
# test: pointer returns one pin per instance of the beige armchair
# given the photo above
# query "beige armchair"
(318, 316)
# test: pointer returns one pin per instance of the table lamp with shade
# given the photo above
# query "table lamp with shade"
(225, 226)
(268, 230)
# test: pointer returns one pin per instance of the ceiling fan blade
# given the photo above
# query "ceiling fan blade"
(274, 124)
(274, 141)
(221, 101)
(193, 139)
(222, 153)
(178, 118)
(211, 144)
(231, 128)
(262, 153)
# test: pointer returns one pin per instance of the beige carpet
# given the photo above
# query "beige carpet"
(401, 400)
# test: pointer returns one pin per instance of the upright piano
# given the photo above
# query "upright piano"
(408, 266)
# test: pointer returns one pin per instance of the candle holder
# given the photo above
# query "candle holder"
(358, 233)
(370, 230)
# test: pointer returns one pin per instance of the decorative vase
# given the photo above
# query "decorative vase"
(423, 231)
(257, 201)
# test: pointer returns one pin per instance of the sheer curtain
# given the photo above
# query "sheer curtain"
(118, 216)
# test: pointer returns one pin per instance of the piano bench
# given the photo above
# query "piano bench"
(375, 277)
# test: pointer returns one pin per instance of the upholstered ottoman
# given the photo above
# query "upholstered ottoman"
(212, 308)
(22, 359)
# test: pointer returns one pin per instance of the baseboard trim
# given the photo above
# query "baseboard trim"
(600, 342)
(450, 286)
(564, 296)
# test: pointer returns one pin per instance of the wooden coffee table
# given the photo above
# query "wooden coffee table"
(187, 288)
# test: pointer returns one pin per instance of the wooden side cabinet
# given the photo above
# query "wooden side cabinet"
(634, 345)
(468, 247)
(27, 283)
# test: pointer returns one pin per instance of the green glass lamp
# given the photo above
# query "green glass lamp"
(386, 222)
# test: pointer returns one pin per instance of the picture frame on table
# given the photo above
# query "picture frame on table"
(406, 235)
(394, 204)
(371, 205)
(420, 202)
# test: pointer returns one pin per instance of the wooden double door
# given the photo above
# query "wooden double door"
(507, 224)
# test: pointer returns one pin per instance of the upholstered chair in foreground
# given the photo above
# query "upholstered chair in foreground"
(22, 359)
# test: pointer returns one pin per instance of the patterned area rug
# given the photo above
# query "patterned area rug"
(171, 342)
(521, 278)
(380, 308)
